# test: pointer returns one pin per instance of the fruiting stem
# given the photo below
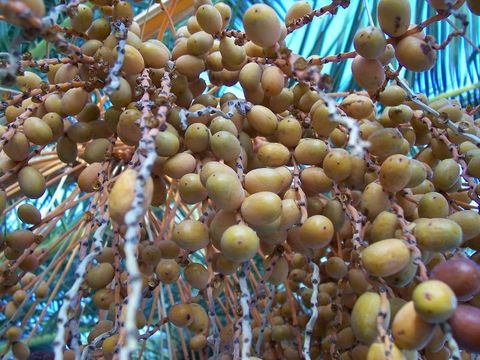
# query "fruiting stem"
(313, 302)
(59, 341)
(114, 75)
(452, 344)
(245, 305)
(450, 124)
(265, 313)
(132, 219)
(306, 19)
(382, 324)
(369, 14)
(212, 316)
(355, 142)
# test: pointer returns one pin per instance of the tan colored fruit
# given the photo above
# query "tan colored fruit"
(364, 317)
(31, 182)
(19, 239)
(409, 330)
(261, 208)
(376, 74)
(263, 179)
(123, 192)
(383, 227)
(74, 100)
(20, 351)
(168, 271)
(337, 164)
(191, 235)
(296, 11)
(377, 351)
(415, 54)
(209, 19)
(262, 25)
(180, 315)
(374, 200)
(225, 191)
(17, 148)
(100, 276)
(434, 301)
(272, 81)
(385, 257)
(370, 42)
(239, 243)
(438, 234)
(394, 16)
(395, 173)
(316, 232)
(196, 275)
(262, 119)
(201, 321)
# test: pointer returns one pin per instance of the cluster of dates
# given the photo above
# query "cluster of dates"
(315, 225)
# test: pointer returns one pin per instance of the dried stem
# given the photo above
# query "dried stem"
(313, 317)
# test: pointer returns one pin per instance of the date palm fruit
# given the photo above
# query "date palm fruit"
(437, 234)
(364, 317)
(239, 243)
(376, 75)
(466, 327)
(462, 275)
(434, 301)
(415, 54)
(262, 25)
(370, 42)
(409, 330)
(394, 16)
(385, 257)
(316, 232)
(237, 197)
(122, 195)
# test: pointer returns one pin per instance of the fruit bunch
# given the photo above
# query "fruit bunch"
(290, 223)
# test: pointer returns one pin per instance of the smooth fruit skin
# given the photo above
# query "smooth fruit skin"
(262, 25)
(409, 330)
(415, 54)
(31, 182)
(394, 16)
(465, 324)
(377, 352)
(383, 227)
(385, 257)
(395, 173)
(316, 232)
(468, 221)
(461, 274)
(434, 301)
(225, 191)
(374, 200)
(364, 317)
(122, 195)
(180, 315)
(100, 276)
(191, 235)
(369, 74)
(370, 42)
(239, 243)
(437, 234)
(261, 208)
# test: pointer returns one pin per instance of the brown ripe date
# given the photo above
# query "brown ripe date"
(461, 274)
(465, 323)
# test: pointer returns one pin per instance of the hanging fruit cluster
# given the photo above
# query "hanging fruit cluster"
(292, 223)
